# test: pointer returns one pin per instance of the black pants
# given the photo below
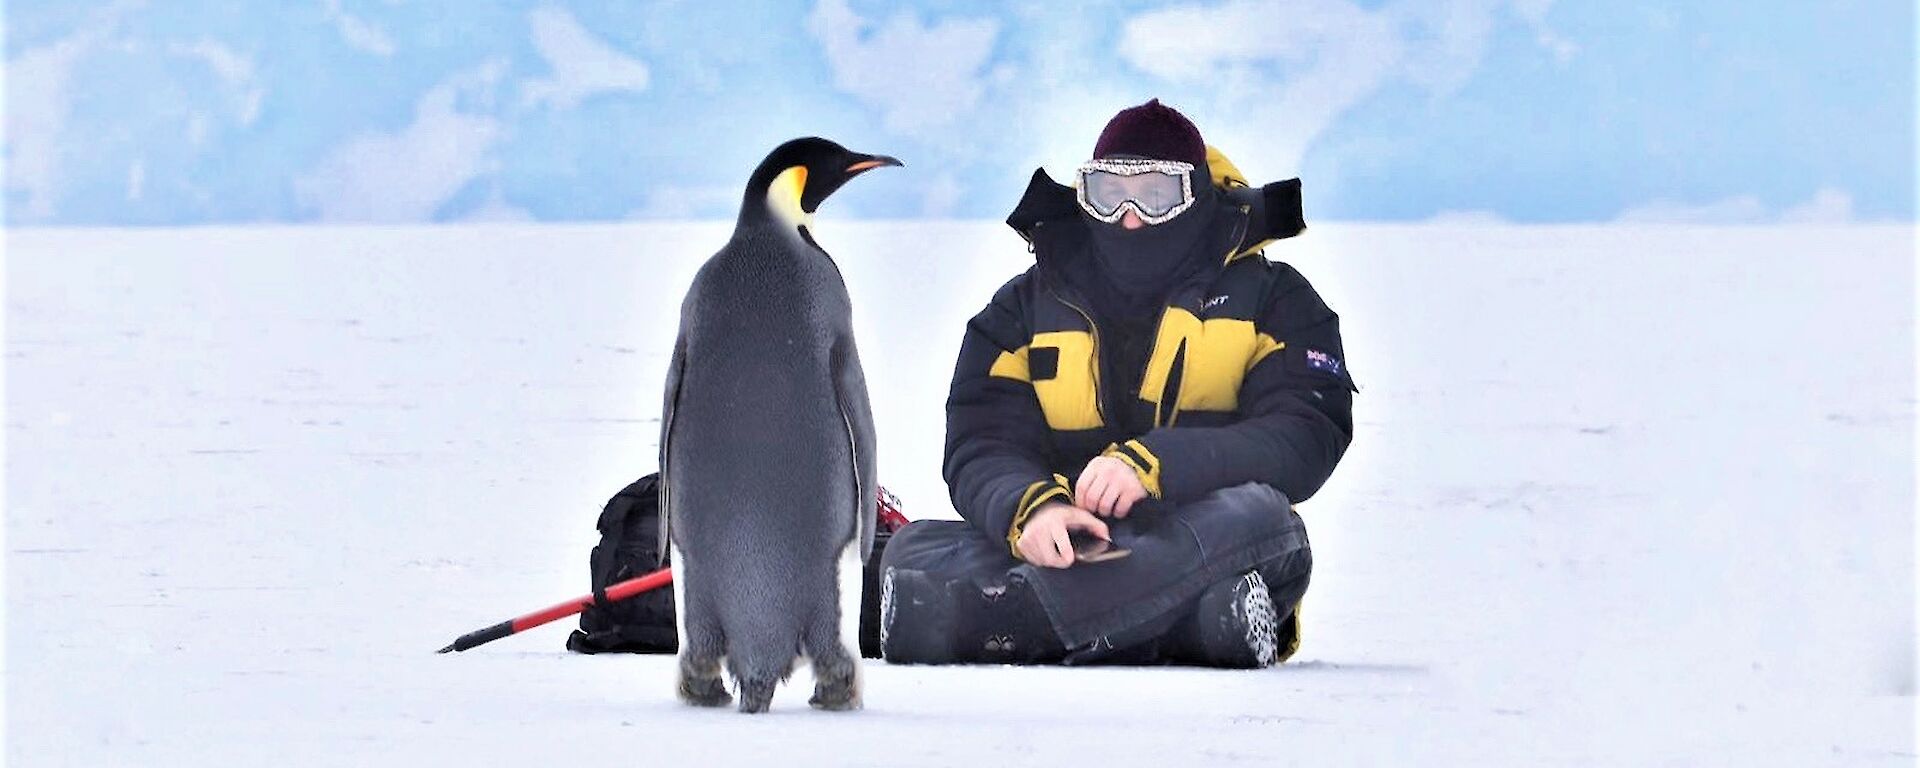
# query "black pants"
(1114, 611)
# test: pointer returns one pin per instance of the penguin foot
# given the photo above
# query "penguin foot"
(704, 692)
(836, 672)
(835, 696)
(756, 695)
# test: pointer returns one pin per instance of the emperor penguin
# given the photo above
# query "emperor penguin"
(767, 489)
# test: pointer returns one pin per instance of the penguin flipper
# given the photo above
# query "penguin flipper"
(850, 389)
(675, 370)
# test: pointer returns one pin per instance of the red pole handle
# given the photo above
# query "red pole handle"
(616, 592)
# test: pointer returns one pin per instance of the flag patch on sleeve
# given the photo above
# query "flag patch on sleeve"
(1322, 361)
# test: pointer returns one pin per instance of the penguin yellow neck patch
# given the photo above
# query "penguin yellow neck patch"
(783, 196)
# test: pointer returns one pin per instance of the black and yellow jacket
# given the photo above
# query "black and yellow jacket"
(1246, 379)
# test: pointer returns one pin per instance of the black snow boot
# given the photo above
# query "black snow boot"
(925, 619)
(1233, 626)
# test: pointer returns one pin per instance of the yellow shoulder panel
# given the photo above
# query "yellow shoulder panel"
(1219, 353)
(1012, 365)
(1070, 397)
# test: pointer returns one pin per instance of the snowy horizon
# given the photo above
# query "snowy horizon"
(127, 112)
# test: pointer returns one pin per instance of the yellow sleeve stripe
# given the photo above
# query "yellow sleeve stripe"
(1036, 494)
(1012, 365)
(1140, 449)
(1263, 345)
(1144, 463)
(1137, 469)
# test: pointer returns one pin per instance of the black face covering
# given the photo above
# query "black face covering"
(1143, 264)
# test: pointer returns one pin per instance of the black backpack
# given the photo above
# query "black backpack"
(629, 547)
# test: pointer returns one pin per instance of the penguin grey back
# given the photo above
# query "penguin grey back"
(767, 448)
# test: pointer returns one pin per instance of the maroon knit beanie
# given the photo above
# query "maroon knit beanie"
(1152, 130)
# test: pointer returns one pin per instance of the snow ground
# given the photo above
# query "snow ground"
(1619, 496)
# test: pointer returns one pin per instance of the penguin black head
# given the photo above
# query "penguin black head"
(797, 176)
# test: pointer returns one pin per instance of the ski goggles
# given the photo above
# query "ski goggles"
(1156, 190)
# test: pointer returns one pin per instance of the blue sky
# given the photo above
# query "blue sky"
(192, 112)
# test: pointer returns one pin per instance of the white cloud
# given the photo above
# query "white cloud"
(1446, 42)
(676, 202)
(1469, 218)
(1273, 75)
(233, 69)
(1741, 209)
(406, 176)
(358, 33)
(136, 181)
(39, 100)
(229, 65)
(38, 103)
(1828, 206)
(498, 210)
(1283, 70)
(1058, 97)
(921, 77)
(583, 65)
(942, 197)
(1563, 49)
(1534, 11)
(1535, 14)
(199, 129)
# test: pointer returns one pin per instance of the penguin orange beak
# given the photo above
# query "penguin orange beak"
(872, 162)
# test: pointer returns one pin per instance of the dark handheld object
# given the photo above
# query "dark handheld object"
(1088, 548)
(620, 591)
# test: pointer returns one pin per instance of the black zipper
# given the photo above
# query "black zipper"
(1170, 389)
(1094, 331)
(1176, 376)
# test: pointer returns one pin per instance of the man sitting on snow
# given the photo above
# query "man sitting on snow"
(1153, 381)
